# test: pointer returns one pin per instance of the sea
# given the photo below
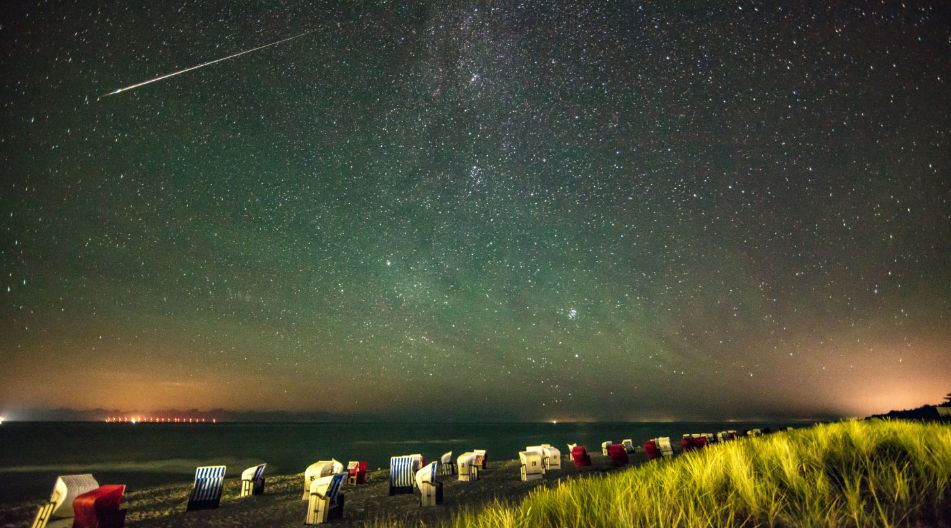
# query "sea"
(32, 454)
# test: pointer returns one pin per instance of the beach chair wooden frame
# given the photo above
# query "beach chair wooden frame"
(430, 489)
(252, 481)
(532, 465)
(402, 473)
(325, 499)
(65, 490)
(206, 493)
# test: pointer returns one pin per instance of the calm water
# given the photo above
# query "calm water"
(32, 454)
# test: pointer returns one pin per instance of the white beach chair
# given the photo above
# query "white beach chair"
(447, 465)
(532, 466)
(552, 457)
(604, 447)
(663, 445)
(628, 445)
(430, 490)
(325, 499)
(321, 468)
(402, 471)
(467, 467)
(571, 448)
(754, 432)
(65, 490)
(252, 481)
(206, 493)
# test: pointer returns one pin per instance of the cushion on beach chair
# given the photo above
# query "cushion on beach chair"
(321, 468)
(533, 468)
(209, 481)
(252, 481)
(357, 472)
(604, 447)
(325, 499)
(446, 464)
(402, 471)
(99, 508)
(618, 455)
(650, 450)
(468, 466)
(65, 490)
(430, 490)
(579, 455)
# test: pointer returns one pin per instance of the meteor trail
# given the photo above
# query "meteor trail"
(202, 65)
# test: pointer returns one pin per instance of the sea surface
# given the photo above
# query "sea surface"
(32, 454)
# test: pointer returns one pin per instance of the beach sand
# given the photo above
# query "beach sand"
(280, 506)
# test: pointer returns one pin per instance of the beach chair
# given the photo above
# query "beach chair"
(325, 499)
(686, 443)
(65, 490)
(628, 445)
(754, 432)
(571, 447)
(663, 444)
(552, 457)
(579, 455)
(532, 466)
(357, 472)
(99, 508)
(468, 467)
(725, 436)
(209, 481)
(321, 468)
(604, 447)
(446, 464)
(482, 458)
(651, 450)
(618, 455)
(430, 490)
(402, 470)
(252, 481)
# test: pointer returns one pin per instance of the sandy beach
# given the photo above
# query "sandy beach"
(280, 506)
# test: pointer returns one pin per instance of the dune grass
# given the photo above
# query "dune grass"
(859, 473)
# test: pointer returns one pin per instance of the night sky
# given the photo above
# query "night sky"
(630, 211)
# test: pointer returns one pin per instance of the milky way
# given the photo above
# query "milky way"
(631, 211)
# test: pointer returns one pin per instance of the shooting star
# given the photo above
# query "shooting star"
(202, 65)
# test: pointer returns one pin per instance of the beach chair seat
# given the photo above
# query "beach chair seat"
(65, 490)
(580, 456)
(357, 472)
(628, 445)
(206, 493)
(533, 468)
(325, 499)
(252, 481)
(446, 464)
(650, 450)
(468, 467)
(430, 489)
(321, 468)
(402, 472)
(551, 456)
(618, 455)
(99, 508)
(604, 447)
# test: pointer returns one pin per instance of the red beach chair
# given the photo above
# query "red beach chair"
(617, 454)
(686, 443)
(650, 450)
(357, 472)
(99, 508)
(579, 455)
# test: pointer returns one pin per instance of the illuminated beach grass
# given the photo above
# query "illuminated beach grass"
(871, 473)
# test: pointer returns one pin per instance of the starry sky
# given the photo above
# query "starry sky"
(522, 211)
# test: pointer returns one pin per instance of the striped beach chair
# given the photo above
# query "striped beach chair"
(209, 481)
(325, 499)
(321, 468)
(65, 490)
(468, 466)
(252, 481)
(446, 464)
(430, 489)
(532, 467)
(402, 471)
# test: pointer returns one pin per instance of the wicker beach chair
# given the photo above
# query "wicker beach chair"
(206, 494)
(663, 444)
(325, 499)
(579, 455)
(430, 489)
(65, 490)
(618, 455)
(468, 466)
(604, 447)
(446, 464)
(482, 458)
(533, 468)
(99, 508)
(252, 481)
(552, 457)
(321, 468)
(402, 470)
(357, 472)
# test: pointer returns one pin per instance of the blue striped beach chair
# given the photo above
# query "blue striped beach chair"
(252, 481)
(209, 481)
(326, 499)
(402, 471)
(430, 490)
